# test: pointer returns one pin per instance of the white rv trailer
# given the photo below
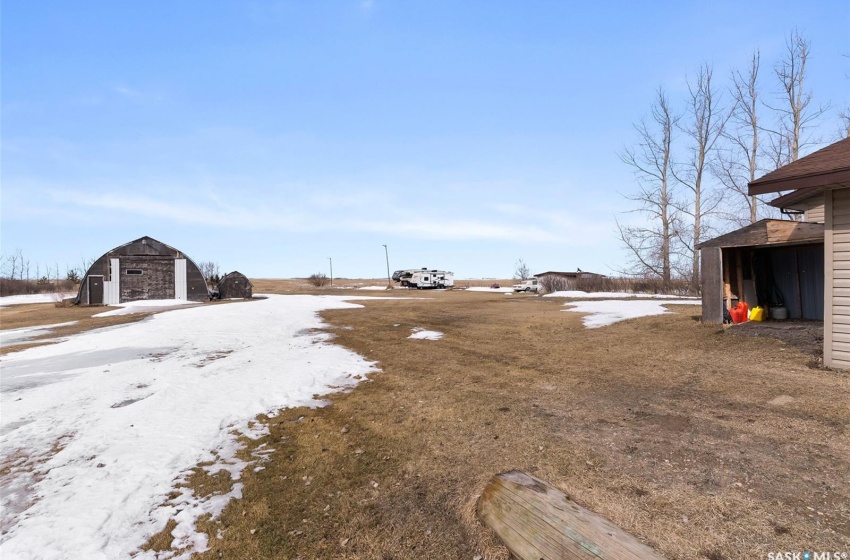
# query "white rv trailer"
(423, 278)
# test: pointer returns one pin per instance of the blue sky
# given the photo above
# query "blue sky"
(269, 136)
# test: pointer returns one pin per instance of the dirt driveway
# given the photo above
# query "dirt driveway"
(702, 444)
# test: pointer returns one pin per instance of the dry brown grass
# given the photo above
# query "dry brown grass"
(346, 285)
(660, 424)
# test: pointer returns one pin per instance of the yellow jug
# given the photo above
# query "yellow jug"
(757, 313)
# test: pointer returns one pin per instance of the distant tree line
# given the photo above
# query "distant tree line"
(20, 275)
(693, 157)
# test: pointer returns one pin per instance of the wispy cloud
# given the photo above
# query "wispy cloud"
(300, 210)
(136, 95)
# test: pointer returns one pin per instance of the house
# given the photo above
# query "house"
(139, 270)
(823, 176)
(553, 281)
(235, 285)
(579, 274)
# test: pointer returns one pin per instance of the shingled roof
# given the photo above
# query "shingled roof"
(769, 232)
(825, 167)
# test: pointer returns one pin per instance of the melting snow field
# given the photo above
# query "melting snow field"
(608, 312)
(98, 429)
(16, 336)
(145, 306)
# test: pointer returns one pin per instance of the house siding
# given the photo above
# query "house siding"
(815, 214)
(837, 288)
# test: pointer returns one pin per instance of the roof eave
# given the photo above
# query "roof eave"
(827, 179)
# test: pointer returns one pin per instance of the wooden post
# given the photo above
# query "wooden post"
(739, 266)
(727, 287)
(712, 285)
(536, 521)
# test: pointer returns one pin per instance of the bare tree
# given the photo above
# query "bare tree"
(844, 119)
(211, 272)
(706, 120)
(650, 244)
(11, 263)
(739, 161)
(521, 270)
(795, 114)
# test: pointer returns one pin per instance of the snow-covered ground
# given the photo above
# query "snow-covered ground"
(506, 290)
(610, 295)
(34, 298)
(608, 312)
(145, 306)
(98, 429)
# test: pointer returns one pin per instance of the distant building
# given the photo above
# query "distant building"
(235, 285)
(139, 270)
(554, 281)
(579, 274)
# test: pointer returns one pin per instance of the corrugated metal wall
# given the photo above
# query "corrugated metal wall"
(798, 276)
(810, 272)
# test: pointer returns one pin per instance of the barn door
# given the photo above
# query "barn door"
(180, 279)
(95, 290)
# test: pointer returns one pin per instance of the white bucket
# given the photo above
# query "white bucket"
(779, 313)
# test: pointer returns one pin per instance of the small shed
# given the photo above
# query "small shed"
(139, 270)
(235, 285)
(770, 263)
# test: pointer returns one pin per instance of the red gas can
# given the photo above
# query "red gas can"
(745, 311)
(739, 312)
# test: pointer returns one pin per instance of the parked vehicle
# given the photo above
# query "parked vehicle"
(529, 285)
(423, 278)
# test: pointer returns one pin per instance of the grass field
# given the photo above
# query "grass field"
(702, 444)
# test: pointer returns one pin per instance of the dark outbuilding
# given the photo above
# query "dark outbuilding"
(139, 270)
(235, 285)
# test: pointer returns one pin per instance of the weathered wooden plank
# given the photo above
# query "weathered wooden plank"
(536, 521)
(712, 285)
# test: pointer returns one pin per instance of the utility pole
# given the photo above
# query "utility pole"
(387, 253)
(332, 271)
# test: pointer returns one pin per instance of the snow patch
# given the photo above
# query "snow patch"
(34, 298)
(491, 290)
(145, 306)
(422, 334)
(609, 295)
(608, 312)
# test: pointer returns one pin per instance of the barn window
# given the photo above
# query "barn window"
(134, 272)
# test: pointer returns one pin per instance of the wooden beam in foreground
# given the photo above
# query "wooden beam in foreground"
(536, 521)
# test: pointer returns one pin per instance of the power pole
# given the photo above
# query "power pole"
(387, 254)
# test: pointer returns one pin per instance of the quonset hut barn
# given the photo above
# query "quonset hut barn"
(235, 285)
(142, 269)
